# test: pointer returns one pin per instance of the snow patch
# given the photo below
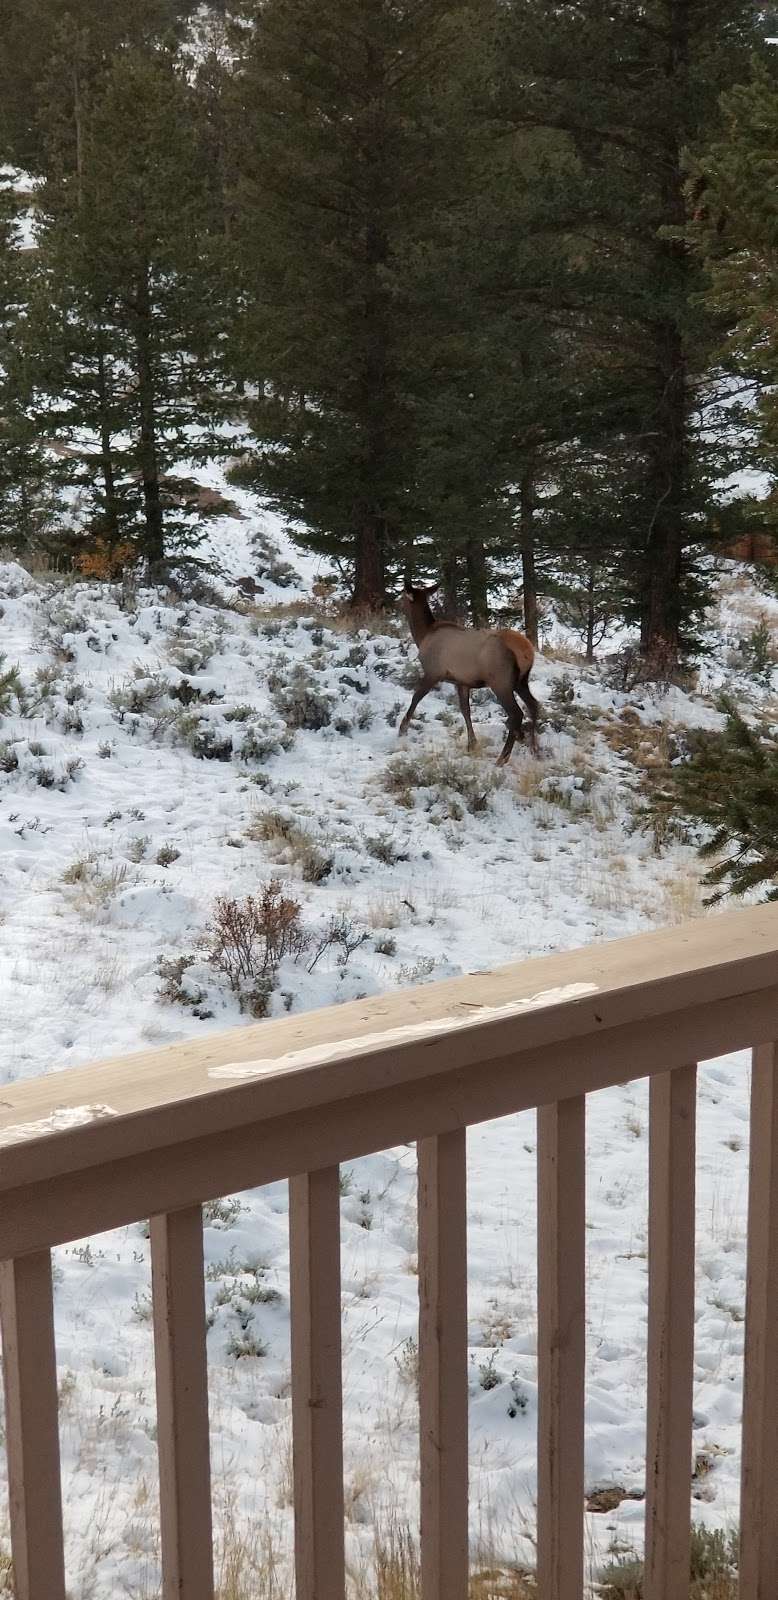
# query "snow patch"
(61, 1120)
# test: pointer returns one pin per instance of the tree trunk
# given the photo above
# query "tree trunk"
(449, 574)
(375, 398)
(111, 514)
(154, 539)
(527, 547)
(668, 462)
(661, 612)
(590, 613)
(369, 591)
(475, 561)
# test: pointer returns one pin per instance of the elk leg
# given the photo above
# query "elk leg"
(464, 706)
(515, 726)
(523, 689)
(423, 687)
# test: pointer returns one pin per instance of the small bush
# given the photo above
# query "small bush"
(241, 713)
(712, 1570)
(166, 855)
(192, 655)
(488, 1377)
(209, 745)
(631, 668)
(258, 744)
(172, 971)
(407, 1363)
(10, 687)
(138, 693)
(298, 699)
(758, 654)
(245, 1345)
(96, 885)
(291, 844)
(340, 934)
(105, 561)
(444, 780)
(269, 565)
(248, 939)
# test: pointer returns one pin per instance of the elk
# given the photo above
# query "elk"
(471, 658)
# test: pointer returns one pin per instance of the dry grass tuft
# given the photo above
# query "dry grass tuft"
(290, 844)
(248, 1561)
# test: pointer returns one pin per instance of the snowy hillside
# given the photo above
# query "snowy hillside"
(156, 755)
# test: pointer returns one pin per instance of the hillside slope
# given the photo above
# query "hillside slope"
(156, 755)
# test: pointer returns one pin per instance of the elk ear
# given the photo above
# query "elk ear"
(433, 588)
(408, 586)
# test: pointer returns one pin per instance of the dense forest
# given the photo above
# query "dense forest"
(465, 290)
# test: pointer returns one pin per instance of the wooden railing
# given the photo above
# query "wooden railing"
(155, 1135)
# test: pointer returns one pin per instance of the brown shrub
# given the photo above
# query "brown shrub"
(248, 939)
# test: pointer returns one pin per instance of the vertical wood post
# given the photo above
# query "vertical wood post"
(758, 1519)
(32, 1427)
(317, 1385)
(443, 1391)
(670, 1334)
(561, 1347)
(182, 1404)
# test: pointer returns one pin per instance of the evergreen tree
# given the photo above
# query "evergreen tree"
(632, 88)
(355, 144)
(26, 510)
(729, 783)
(735, 229)
(493, 386)
(126, 312)
(69, 42)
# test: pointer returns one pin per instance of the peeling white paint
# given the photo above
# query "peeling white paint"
(316, 1055)
(58, 1121)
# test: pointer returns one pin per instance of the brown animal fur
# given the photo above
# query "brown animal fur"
(471, 658)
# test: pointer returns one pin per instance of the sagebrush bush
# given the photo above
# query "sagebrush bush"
(259, 743)
(298, 698)
(138, 693)
(712, 1569)
(248, 939)
(443, 779)
(290, 843)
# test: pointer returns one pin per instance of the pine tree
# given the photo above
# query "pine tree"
(26, 509)
(729, 783)
(126, 313)
(72, 41)
(631, 88)
(735, 230)
(355, 141)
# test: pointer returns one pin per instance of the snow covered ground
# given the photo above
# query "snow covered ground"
(149, 763)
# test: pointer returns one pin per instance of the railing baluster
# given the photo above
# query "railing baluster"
(670, 1333)
(317, 1384)
(443, 1365)
(561, 1347)
(758, 1522)
(32, 1427)
(182, 1404)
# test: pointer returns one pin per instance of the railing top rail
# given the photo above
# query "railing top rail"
(160, 1099)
